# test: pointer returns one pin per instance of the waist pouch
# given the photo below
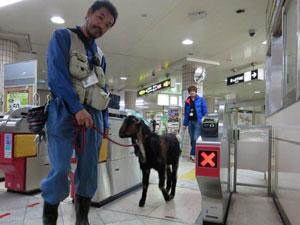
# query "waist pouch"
(97, 98)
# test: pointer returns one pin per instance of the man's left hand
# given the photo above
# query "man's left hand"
(106, 132)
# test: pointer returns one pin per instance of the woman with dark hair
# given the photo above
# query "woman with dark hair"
(194, 109)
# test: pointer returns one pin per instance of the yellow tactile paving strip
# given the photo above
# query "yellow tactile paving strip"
(188, 176)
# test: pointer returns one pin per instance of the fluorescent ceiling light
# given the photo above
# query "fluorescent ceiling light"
(264, 42)
(123, 78)
(8, 2)
(57, 19)
(256, 92)
(187, 42)
(178, 83)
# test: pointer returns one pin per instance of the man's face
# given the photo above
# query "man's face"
(98, 22)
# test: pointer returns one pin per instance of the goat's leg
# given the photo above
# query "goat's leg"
(161, 185)
(169, 178)
(174, 179)
(146, 174)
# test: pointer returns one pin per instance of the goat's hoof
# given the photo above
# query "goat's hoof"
(171, 196)
(167, 198)
(141, 203)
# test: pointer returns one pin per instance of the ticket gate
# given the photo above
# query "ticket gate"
(23, 162)
(213, 171)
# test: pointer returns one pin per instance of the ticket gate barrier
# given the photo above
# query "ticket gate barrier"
(23, 162)
(213, 180)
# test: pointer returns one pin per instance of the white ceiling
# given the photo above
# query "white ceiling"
(137, 45)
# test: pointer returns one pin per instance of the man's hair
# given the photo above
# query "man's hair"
(192, 88)
(105, 4)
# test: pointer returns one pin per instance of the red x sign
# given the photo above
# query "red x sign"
(208, 159)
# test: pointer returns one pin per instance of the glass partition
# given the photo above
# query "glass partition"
(283, 65)
(290, 52)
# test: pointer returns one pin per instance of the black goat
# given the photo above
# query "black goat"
(154, 151)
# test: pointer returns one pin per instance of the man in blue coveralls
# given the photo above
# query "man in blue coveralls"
(76, 74)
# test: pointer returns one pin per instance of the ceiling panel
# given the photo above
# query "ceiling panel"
(137, 45)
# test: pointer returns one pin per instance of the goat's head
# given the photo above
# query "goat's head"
(130, 127)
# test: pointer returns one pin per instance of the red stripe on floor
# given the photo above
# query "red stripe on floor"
(33, 204)
(4, 215)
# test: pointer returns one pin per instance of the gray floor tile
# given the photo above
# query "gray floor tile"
(16, 216)
(12, 223)
(252, 210)
(154, 221)
(114, 217)
(12, 200)
(40, 222)
(127, 222)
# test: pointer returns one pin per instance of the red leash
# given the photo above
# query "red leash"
(111, 140)
(81, 129)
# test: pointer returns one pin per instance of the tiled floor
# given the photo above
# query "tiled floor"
(249, 206)
(252, 206)
(18, 209)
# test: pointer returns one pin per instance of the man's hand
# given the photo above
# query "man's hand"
(83, 118)
(184, 127)
(106, 132)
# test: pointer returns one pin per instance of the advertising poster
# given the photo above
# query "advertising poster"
(173, 115)
(16, 100)
(173, 119)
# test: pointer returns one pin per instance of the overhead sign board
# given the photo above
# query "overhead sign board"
(257, 74)
(155, 87)
(236, 79)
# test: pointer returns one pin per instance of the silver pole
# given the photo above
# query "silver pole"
(270, 161)
(235, 160)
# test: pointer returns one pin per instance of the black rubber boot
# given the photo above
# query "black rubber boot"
(50, 213)
(82, 207)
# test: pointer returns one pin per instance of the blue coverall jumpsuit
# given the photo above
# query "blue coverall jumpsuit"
(61, 128)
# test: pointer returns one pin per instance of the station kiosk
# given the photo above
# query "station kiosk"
(213, 170)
